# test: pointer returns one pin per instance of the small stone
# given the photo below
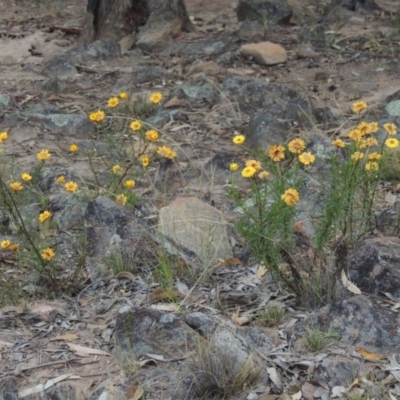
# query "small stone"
(265, 53)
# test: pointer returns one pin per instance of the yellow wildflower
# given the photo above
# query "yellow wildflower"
(121, 199)
(14, 247)
(306, 158)
(4, 244)
(151, 136)
(276, 152)
(296, 146)
(26, 177)
(16, 186)
(339, 143)
(375, 156)
(254, 163)
(356, 156)
(291, 197)
(166, 152)
(97, 116)
(145, 160)
(372, 166)
(239, 139)
(43, 155)
(233, 166)
(135, 125)
(373, 127)
(123, 95)
(116, 169)
(45, 215)
(248, 172)
(359, 106)
(3, 136)
(48, 254)
(156, 97)
(392, 143)
(364, 128)
(73, 148)
(130, 183)
(390, 128)
(113, 102)
(368, 142)
(263, 175)
(71, 187)
(355, 135)
(60, 179)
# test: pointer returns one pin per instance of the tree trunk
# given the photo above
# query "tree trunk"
(115, 19)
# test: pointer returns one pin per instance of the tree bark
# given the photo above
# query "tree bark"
(115, 19)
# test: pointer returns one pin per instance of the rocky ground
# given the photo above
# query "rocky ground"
(117, 332)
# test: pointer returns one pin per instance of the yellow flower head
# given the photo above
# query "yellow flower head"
(43, 155)
(113, 102)
(4, 244)
(375, 156)
(276, 152)
(3, 136)
(306, 158)
(14, 247)
(16, 186)
(71, 187)
(156, 97)
(135, 125)
(359, 106)
(372, 166)
(254, 163)
(392, 143)
(166, 152)
(296, 146)
(116, 169)
(233, 166)
(129, 183)
(121, 199)
(356, 156)
(47, 254)
(73, 148)
(44, 216)
(239, 139)
(97, 116)
(60, 179)
(373, 127)
(248, 172)
(339, 143)
(291, 197)
(355, 135)
(123, 95)
(368, 142)
(26, 177)
(390, 128)
(151, 136)
(364, 128)
(145, 160)
(263, 175)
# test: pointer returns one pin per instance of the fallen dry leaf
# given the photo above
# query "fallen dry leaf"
(67, 337)
(172, 307)
(135, 391)
(296, 396)
(85, 351)
(351, 287)
(369, 355)
(261, 271)
(239, 320)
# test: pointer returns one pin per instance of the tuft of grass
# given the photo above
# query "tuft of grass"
(116, 262)
(272, 316)
(220, 373)
(317, 340)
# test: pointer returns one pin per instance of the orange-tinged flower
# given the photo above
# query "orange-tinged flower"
(121, 199)
(306, 158)
(135, 125)
(113, 102)
(44, 216)
(14, 247)
(390, 128)
(375, 156)
(26, 177)
(71, 187)
(156, 97)
(355, 135)
(48, 254)
(296, 146)
(145, 160)
(372, 166)
(339, 143)
(359, 106)
(291, 197)
(276, 152)
(130, 183)
(368, 142)
(152, 135)
(373, 127)
(248, 172)
(16, 186)
(43, 155)
(239, 139)
(166, 152)
(254, 163)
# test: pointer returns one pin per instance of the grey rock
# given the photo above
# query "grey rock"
(198, 48)
(196, 91)
(62, 392)
(251, 31)
(68, 212)
(142, 74)
(4, 101)
(265, 10)
(164, 116)
(315, 34)
(354, 5)
(374, 266)
(8, 389)
(47, 180)
(138, 333)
